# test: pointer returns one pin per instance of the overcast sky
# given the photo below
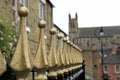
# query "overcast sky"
(91, 13)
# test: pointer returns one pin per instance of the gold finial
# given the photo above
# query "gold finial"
(53, 31)
(42, 24)
(59, 36)
(68, 42)
(74, 45)
(65, 39)
(23, 12)
(71, 43)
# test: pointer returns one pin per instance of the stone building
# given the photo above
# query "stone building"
(90, 41)
(73, 26)
(38, 9)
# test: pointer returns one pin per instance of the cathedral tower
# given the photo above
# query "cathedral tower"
(73, 26)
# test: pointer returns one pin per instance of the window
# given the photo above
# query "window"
(88, 43)
(22, 2)
(95, 66)
(41, 11)
(117, 68)
(105, 68)
(73, 26)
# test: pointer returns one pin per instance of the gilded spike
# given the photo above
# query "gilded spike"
(40, 60)
(52, 57)
(22, 59)
(2, 63)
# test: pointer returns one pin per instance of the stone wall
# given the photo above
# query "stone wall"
(92, 62)
(49, 20)
(88, 62)
(6, 11)
(9, 13)
(32, 23)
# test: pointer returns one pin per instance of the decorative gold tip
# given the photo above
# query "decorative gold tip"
(71, 43)
(65, 39)
(53, 31)
(59, 36)
(42, 24)
(74, 45)
(68, 42)
(23, 12)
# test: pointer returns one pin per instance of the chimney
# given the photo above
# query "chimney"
(114, 48)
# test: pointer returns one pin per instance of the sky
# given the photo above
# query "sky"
(91, 13)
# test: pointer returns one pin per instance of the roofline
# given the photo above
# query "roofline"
(50, 3)
(100, 26)
(60, 30)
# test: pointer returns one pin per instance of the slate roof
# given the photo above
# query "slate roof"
(110, 58)
(94, 31)
(109, 31)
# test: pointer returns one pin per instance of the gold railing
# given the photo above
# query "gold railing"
(64, 63)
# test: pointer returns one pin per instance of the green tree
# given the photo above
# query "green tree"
(7, 40)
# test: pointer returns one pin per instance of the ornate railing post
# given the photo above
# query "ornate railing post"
(60, 59)
(66, 60)
(78, 63)
(73, 58)
(22, 59)
(40, 59)
(52, 57)
(2, 63)
(70, 59)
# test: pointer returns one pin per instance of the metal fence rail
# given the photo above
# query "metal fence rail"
(65, 63)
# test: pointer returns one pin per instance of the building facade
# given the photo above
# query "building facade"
(90, 41)
(38, 9)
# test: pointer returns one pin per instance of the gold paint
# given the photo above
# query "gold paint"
(53, 31)
(2, 63)
(41, 75)
(22, 59)
(59, 55)
(52, 73)
(68, 51)
(42, 24)
(23, 12)
(60, 71)
(71, 51)
(66, 62)
(52, 57)
(40, 59)
(59, 51)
